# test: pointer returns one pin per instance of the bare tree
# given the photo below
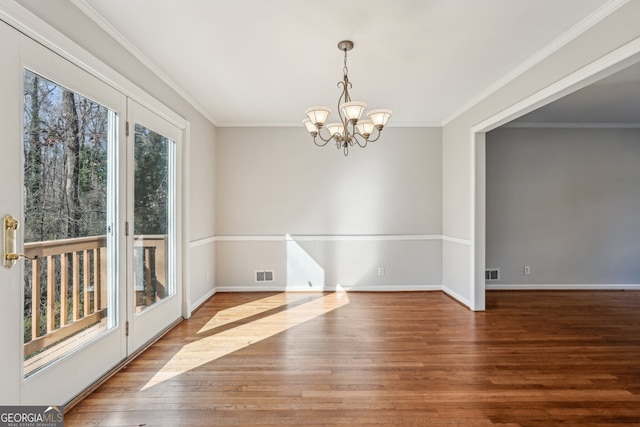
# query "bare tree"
(33, 158)
(72, 163)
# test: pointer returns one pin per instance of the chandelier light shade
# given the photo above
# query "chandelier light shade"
(318, 115)
(335, 129)
(351, 129)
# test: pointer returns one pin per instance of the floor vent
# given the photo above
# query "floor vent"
(264, 276)
(492, 274)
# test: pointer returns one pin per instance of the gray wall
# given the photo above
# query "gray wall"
(379, 207)
(566, 202)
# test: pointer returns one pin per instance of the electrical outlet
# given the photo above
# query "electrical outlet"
(527, 270)
(380, 271)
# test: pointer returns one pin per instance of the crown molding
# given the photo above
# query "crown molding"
(323, 238)
(96, 17)
(617, 59)
(528, 125)
(299, 125)
(38, 30)
(584, 25)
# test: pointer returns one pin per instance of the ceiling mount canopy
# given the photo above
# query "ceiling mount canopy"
(350, 130)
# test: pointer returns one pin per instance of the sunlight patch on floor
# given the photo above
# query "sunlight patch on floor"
(233, 314)
(215, 346)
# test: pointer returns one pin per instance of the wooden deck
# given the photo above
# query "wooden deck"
(385, 359)
(54, 352)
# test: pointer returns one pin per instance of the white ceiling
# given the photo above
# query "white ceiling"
(259, 62)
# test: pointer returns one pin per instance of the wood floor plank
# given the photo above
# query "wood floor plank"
(385, 359)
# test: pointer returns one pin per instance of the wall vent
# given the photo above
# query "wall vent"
(264, 276)
(492, 274)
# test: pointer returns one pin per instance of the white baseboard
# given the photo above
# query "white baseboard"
(563, 287)
(360, 288)
(249, 288)
(193, 306)
(453, 294)
(392, 288)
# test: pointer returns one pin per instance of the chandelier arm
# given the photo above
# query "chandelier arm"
(320, 144)
(377, 137)
(322, 138)
(357, 140)
(344, 97)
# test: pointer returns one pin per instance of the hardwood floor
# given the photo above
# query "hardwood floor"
(386, 359)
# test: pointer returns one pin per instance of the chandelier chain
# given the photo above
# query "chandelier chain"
(345, 69)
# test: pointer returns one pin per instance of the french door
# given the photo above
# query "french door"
(69, 212)
(153, 232)
(93, 210)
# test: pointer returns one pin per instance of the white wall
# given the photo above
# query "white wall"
(564, 202)
(378, 207)
(69, 21)
(461, 273)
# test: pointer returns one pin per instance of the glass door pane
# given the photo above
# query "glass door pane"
(154, 277)
(68, 146)
(154, 291)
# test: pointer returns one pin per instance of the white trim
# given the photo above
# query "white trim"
(583, 76)
(357, 288)
(256, 288)
(202, 242)
(329, 238)
(574, 287)
(96, 17)
(250, 238)
(391, 288)
(459, 240)
(186, 225)
(528, 125)
(301, 126)
(194, 306)
(366, 237)
(32, 26)
(453, 294)
(472, 228)
(584, 25)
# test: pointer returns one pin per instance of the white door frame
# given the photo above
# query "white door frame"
(611, 63)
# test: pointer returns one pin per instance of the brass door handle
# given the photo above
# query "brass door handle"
(10, 229)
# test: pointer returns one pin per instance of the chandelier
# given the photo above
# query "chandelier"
(350, 130)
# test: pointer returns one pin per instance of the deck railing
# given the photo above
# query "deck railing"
(73, 274)
(150, 265)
